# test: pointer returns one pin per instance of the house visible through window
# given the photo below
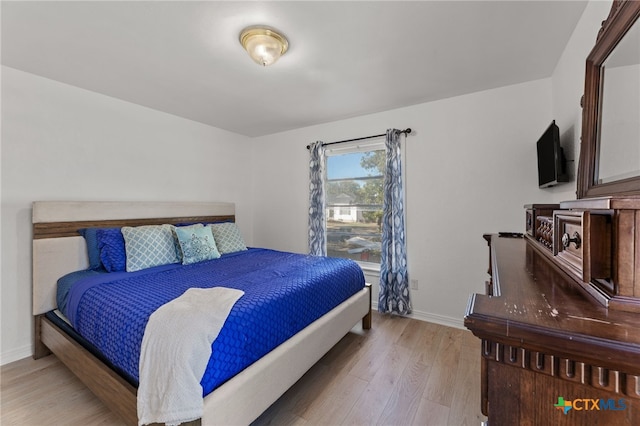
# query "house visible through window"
(354, 190)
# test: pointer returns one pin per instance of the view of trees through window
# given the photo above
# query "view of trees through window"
(354, 188)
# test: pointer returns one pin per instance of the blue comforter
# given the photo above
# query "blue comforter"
(284, 292)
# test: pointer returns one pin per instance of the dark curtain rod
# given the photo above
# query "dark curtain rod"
(405, 131)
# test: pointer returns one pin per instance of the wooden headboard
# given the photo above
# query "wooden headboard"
(58, 249)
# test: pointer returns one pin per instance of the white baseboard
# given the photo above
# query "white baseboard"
(438, 319)
(434, 318)
(15, 354)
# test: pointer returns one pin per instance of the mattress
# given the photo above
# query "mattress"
(284, 292)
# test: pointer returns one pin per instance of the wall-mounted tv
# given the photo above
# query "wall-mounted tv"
(552, 166)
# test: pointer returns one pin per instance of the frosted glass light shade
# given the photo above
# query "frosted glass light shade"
(264, 45)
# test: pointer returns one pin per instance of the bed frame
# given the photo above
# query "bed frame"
(58, 249)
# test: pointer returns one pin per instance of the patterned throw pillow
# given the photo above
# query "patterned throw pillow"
(228, 237)
(197, 244)
(112, 251)
(148, 246)
(176, 242)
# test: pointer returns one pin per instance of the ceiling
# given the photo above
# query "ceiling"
(345, 58)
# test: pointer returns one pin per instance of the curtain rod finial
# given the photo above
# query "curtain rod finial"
(405, 131)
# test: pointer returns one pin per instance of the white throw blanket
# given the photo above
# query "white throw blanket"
(176, 348)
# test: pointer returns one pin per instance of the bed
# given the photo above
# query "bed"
(58, 249)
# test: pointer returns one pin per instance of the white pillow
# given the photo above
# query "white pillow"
(149, 245)
(228, 237)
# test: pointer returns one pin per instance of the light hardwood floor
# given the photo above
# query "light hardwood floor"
(401, 372)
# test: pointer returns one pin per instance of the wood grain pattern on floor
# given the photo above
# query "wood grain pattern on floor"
(401, 372)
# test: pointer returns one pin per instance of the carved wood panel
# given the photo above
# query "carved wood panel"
(566, 369)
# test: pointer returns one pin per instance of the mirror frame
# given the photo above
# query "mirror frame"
(623, 14)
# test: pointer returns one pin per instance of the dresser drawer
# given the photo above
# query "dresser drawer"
(544, 231)
(534, 213)
(582, 243)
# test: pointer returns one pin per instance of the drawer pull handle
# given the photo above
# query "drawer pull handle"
(567, 240)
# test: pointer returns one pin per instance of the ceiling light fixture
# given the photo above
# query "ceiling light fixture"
(264, 44)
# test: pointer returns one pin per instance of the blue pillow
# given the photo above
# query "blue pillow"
(112, 251)
(93, 249)
(197, 244)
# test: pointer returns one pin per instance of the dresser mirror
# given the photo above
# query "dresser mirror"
(610, 151)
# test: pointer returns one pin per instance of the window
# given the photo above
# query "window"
(354, 189)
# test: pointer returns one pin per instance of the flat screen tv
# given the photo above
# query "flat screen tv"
(551, 162)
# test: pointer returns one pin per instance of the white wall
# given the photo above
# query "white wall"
(470, 167)
(61, 142)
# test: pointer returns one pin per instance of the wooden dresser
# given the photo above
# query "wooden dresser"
(560, 325)
(560, 320)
